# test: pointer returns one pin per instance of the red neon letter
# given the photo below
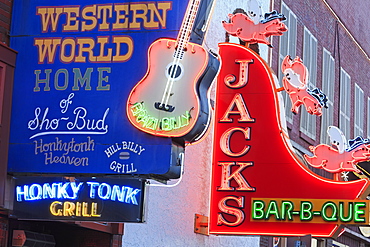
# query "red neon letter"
(242, 110)
(243, 75)
(231, 210)
(225, 141)
(236, 175)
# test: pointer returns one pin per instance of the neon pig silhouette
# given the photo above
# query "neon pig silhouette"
(339, 160)
(245, 28)
(295, 84)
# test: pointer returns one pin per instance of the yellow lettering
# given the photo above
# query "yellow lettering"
(85, 209)
(78, 208)
(72, 14)
(47, 48)
(121, 12)
(82, 48)
(164, 6)
(101, 58)
(63, 56)
(54, 210)
(49, 17)
(104, 12)
(89, 18)
(94, 210)
(68, 208)
(151, 15)
(136, 8)
(118, 40)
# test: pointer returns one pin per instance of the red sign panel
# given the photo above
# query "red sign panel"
(259, 187)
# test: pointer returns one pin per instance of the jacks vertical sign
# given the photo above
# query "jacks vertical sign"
(259, 187)
(77, 63)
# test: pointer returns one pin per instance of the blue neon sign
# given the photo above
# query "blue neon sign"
(77, 63)
(83, 199)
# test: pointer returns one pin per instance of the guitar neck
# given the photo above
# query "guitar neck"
(186, 28)
(202, 21)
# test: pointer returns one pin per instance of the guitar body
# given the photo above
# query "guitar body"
(166, 102)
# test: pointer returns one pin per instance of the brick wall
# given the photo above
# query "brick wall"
(354, 14)
(5, 18)
(321, 22)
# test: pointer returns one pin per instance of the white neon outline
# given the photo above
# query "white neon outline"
(67, 133)
(196, 110)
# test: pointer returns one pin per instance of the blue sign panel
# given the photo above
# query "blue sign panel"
(77, 63)
(79, 199)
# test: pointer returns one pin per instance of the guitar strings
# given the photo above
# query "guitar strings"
(183, 39)
(181, 48)
(178, 54)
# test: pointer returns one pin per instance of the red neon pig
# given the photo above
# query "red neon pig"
(329, 159)
(295, 84)
(244, 28)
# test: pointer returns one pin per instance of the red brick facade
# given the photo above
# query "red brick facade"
(340, 27)
(322, 23)
(5, 19)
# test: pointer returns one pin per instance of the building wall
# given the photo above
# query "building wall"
(354, 15)
(340, 28)
(322, 24)
(5, 13)
(7, 64)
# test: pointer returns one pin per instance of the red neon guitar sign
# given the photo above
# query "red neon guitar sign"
(166, 102)
(259, 186)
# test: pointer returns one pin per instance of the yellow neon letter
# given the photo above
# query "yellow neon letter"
(53, 208)
(94, 210)
(68, 209)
